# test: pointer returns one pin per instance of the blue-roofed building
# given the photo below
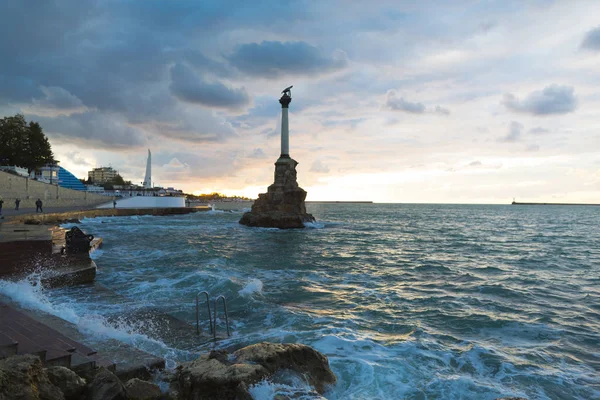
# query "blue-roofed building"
(68, 180)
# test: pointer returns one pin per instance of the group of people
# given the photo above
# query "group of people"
(38, 205)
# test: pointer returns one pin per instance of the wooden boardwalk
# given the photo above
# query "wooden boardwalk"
(20, 334)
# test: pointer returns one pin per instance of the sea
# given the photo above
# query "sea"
(408, 301)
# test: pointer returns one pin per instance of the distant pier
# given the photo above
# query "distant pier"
(517, 203)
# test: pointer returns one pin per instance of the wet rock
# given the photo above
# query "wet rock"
(219, 375)
(299, 358)
(23, 377)
(283, 205)
(138, 389)
(211, 377)
(67, 381)
(105, 386)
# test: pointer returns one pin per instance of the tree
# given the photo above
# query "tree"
(24, 145)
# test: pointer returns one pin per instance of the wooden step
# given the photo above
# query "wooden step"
(26, 345)
(8, 346)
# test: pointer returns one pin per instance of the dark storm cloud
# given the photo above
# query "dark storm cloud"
(92, 129)
(270, 59)
(592, 40)
(399, 104)
(515, 130)
(553, 99)
(189, 87)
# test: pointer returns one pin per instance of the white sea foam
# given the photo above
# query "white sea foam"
(253, 286)
(29, 294)
(314, 225)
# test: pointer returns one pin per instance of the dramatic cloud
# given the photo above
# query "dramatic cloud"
(274, 59)
(189, 87)
(553, 99)
(515, 130)
(399, 104)
(57, 101)
(592, 40)
(92, 130)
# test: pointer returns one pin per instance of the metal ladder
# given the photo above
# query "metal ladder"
(212, 319)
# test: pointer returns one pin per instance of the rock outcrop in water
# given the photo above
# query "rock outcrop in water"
(283, 205)
(220, 375)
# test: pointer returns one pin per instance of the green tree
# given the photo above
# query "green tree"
(24, 145)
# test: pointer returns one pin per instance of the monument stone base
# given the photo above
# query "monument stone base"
(283, 205)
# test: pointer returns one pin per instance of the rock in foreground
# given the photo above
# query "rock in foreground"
(283, 205)
(23, 377)
(220, 375)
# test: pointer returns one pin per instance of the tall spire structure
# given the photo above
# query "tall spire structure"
(148, 177)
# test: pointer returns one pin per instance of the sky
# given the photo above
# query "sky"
(393, 101)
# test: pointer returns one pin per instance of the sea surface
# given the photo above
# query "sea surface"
(407, 301)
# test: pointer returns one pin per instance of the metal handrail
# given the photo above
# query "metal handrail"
(215, 314)
(198, 312)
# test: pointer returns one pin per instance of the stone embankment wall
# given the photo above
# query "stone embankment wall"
(29, 190)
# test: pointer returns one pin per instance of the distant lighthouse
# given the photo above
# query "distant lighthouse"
(285, 101)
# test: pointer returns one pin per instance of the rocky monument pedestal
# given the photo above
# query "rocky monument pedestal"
(283, 205)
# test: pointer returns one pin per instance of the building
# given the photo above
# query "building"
(69, 181)
(102, 175)
(47, 174)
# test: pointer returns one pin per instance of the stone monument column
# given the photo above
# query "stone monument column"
(285, 101)
(283, 205)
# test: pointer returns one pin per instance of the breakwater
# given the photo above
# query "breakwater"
(515, 203)
(56, 218)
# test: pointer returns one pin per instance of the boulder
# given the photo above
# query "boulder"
(67, 381)
(23, 378)
(300, 358)
(138, 389)
(220, 375)
(283, 205)
(213, 376)
(105, 386)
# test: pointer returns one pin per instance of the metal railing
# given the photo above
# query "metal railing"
(226, 317)
(212, 318)
(198, 312)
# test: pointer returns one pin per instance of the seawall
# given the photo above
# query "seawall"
(29, 190)
(57, 218)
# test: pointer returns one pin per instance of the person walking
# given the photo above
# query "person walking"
(1, 203)
(38, 206)
(114, 203)
(17, 202)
